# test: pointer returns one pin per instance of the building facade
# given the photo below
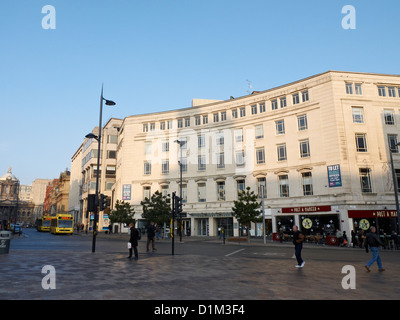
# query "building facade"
(319, 146)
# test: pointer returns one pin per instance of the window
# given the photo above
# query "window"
(296, 98)
(241, 186)
(205, 119)
(349, 88)
(165, 167)
(145, 127)
(216, 117)
(305, 96)
(146, 193)
(261, 182)
(220, 160)
(201, 162)
(238, 135)
(307, 183)
(259, 130)
(397, 171)
(169, 124)
(280, 127)
(358, 114)
(180, 123)
(365, 180)
(221, 191)
(147, 167)
(304, 148)
(234, 113)
(382, 91)
(358, 88)
(283, 102)
(112, 139)
(240, 161)
(392, 140)
(361, 142)
(283, 186)
(147, 147)
(392, 92)
(254, 109)
(197, 120)
(184, 193)
(165, 146)
(262, 107)
(219, 138)
(152, 126)
(184, 164)
(111, 154)
(201, 191)
(110, 171)
(274, 104)
(243, 112)
(302, 122)
(223, 115)
(281, 148)
(187, 122)
(389, 117)
(260, 155)
(162, 125)
(201, 141)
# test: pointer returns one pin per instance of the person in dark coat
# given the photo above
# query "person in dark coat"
(134, 237)
(373, 242)
(151, 233)
(298, 239)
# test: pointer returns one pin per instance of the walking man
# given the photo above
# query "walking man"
(151, 233)
(372, 240)
(133, 241)
(298, 239)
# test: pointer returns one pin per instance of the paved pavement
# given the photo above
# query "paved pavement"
(201, 269)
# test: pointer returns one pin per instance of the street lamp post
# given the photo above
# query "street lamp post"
(395, 186)
(98, 138)
(181, 143)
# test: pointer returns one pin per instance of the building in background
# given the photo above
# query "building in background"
(9, 198)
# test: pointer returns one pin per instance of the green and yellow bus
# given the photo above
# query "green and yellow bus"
(62, 224)
(43, 224)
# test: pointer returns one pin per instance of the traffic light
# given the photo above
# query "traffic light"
(178, 205)
(103, 202)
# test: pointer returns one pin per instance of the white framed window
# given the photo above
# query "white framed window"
(220, 160)
(242, 112)
(365, 180)
(305, 96)
(392, 92)
(280, 127)
(283, 102)
(240, 160)
(240, 185)
(254, 109)
(361, 142)
(221, 190)
(302, 122)
(234, 114)
(205, 119)
(358, 114)
(146, 193)
(392, 140)
(216, 117)
(349, 88)
(281, 149)
(180, 123)
(223, 115)
(201, 141)
(382, 91)
(201, 191)
(147, 167)
(152, 126)
(165, 146)
(187, 122)
(262, 182)
(274, 104)
(389, 117)
(197, 120)
(165, 166)
(283, 185)
(296, 98)
(260, 155)
(201, 162)
(304, 148)
(306, 178)
(358, 88)
(259, 131)
(262, 107)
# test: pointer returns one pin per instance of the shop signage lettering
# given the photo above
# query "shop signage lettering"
(372, 213)
(306, 209)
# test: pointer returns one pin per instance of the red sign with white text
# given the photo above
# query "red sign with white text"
(306, 209)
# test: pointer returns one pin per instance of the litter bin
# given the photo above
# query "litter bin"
(5, 238)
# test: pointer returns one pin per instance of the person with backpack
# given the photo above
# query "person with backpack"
(298, 239)
(372, 241)
(133, 240)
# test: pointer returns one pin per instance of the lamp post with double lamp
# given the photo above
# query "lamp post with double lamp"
(98, 138)
(395, 186)
(181, 144)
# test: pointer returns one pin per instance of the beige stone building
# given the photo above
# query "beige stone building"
(84, 173)
(320, 146)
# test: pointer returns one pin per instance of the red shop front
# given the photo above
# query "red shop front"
(385, 221)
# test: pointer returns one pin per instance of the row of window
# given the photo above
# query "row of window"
(361, 142)
(389, 91)
(239, 158)
(358, 116)
(185, 122)
(283, 183)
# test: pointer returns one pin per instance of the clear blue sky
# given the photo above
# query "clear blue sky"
(157, 55)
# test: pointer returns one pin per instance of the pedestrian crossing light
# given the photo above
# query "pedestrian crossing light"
(103, 202)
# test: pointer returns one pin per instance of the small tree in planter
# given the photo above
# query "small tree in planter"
(123, 213)
(245, 209)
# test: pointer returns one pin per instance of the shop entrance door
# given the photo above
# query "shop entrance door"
(202, 227)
